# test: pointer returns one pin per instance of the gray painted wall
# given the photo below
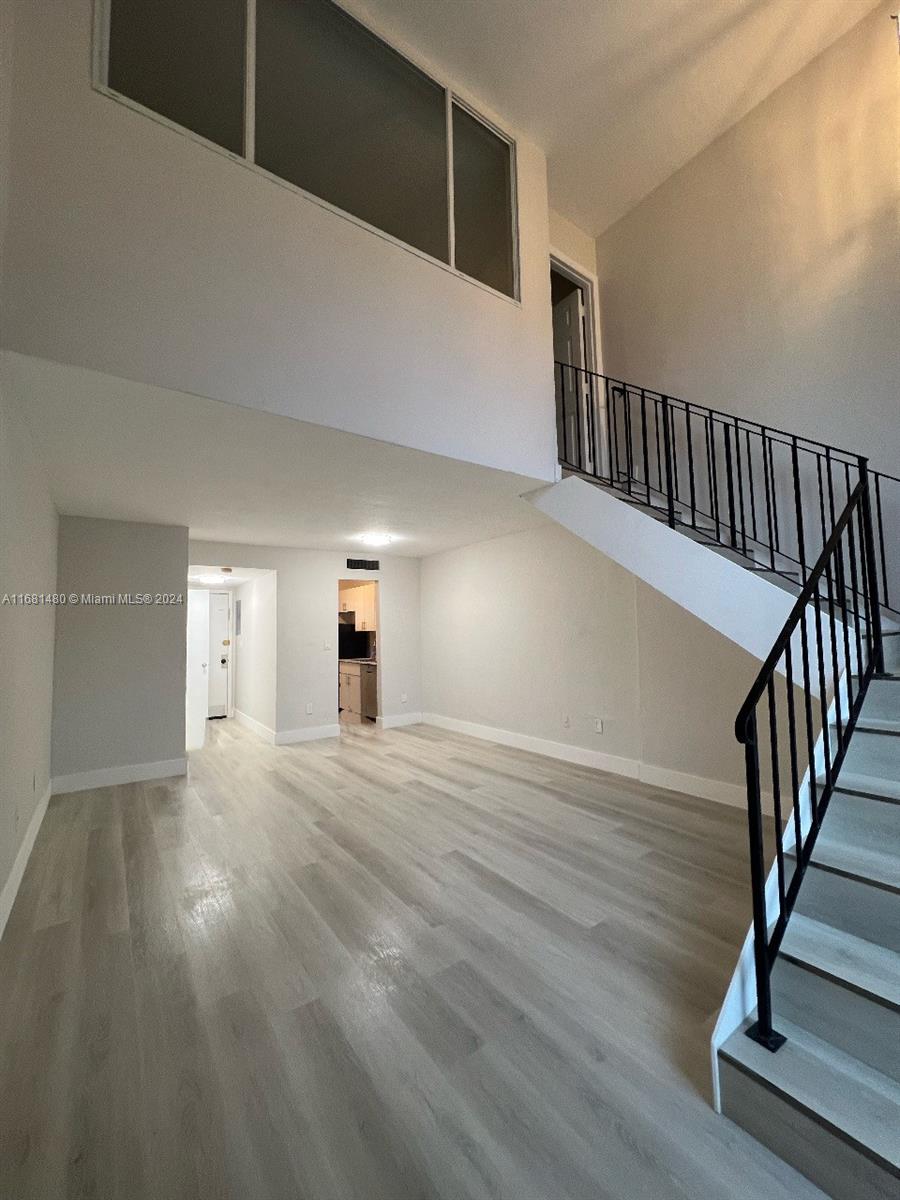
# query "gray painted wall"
(255, 649)
(27, 564)
(119, 672)
(520, 631)
(764, 277)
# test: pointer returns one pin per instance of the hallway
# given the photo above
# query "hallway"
(390, 965)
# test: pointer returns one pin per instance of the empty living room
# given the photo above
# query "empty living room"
(449, 600)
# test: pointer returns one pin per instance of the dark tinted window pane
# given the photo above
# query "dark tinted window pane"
(185, 60)
(482, 192)
(342, 115)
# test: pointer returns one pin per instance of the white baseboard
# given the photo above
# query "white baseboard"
(536, 745)
(733, 794)
(631, 768)
(399, 720)
(287, 737)
(257, 727)
(11, 887)
(111, 776)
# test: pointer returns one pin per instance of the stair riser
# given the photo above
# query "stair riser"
(835, 1165)
(875, 754)
(856, 1024)
(892, 655)
(869, 829)
(882, 702)
(849, 904)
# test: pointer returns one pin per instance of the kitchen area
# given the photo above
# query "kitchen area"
(357, 651)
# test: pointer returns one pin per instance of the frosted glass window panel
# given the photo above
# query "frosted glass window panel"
(482, 190)
(343, 116)
(184, 59)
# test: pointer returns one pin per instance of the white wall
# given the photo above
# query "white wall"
(136, 251)
(764, 277)
(119, 670)
(255, 657)
(28, 524)
(196, 701)
(691, 684)
(6, 76)
(572, 243)
(307, 605)
(523, 630)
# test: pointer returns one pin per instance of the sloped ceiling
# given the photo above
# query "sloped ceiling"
(619, 93)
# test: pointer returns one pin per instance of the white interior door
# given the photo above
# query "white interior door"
(568, 329)
(219, 652)
(573, 390)
(197, 698)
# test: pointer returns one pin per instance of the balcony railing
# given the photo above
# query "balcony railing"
(770, 496)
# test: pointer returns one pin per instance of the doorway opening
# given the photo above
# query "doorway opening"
(231, 631)
(357, 621)
(580, 399)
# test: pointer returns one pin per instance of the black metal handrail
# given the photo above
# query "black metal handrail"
(838, 610)
(781, 502)
(770, 496)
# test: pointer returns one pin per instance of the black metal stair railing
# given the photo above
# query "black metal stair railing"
(821, 664)
(757, 490)
(800, 508)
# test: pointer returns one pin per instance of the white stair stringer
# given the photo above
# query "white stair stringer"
(741, 604)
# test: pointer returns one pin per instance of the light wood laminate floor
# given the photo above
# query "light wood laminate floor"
(390, 965)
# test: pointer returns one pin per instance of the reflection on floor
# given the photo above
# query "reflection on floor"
(389, 965)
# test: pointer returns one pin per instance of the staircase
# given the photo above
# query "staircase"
(806, 1051)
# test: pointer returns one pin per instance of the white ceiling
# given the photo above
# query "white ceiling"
(125, 451)
(620, 93)
(214, 578)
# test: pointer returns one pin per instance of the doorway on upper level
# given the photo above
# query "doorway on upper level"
(580, 404)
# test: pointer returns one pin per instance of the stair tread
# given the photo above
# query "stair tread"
(861, 837)
(864, 965)
(867, 724)
(881, 707)
(853, 1098)
(870, 785)
(875, 754)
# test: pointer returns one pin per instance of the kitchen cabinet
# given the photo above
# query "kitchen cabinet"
(358, 687)
(348, 690)
(363, 601)
(367, 608)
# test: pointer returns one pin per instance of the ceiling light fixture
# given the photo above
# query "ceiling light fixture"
(375, 539)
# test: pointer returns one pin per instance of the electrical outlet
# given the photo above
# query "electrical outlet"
(326, 645)
(567, 721)
(404, 699)
(598, 725)
(309, 709)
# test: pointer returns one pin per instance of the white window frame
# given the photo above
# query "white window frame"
(99, 76)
